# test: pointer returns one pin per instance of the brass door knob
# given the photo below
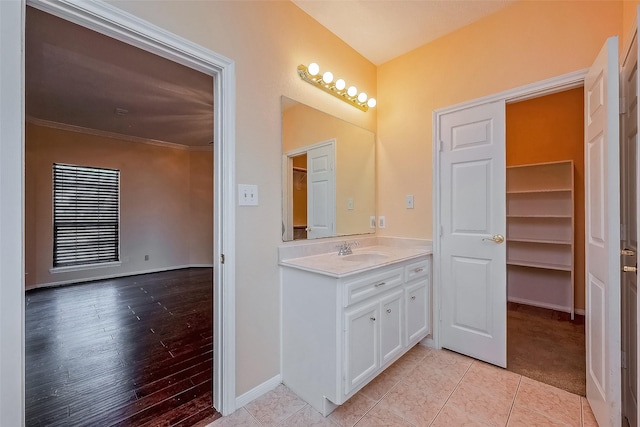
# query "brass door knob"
(496, 238)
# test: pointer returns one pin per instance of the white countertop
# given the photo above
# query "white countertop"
(331, 264)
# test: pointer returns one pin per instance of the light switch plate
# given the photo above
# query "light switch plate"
(350, 203)
(408, 201)
(247, 195)
(382, 222)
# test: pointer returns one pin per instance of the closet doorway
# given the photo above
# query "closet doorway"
(545, 239)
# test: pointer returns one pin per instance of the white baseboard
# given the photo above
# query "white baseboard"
(115, 275)
(579, 311)
(258, 391)
(540, 304)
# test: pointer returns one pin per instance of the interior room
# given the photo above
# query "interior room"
(115, 335)
(505, 53)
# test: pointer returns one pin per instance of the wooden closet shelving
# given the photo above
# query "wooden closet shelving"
(540, 235)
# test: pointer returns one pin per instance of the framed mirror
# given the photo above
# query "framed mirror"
(328, 175)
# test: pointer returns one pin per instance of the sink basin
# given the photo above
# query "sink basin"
(366, 257)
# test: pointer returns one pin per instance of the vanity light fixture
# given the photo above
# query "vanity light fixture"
(338, 88)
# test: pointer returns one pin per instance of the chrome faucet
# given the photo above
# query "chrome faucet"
(345, 247)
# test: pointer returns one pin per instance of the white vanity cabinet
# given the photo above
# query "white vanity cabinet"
(340, 332)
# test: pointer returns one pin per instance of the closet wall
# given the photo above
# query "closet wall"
(549, 129)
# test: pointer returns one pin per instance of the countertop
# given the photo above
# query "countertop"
(331, 264)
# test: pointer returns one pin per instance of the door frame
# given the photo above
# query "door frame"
(534, 90)
(118, 24)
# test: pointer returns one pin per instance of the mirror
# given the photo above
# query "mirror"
(328, 175)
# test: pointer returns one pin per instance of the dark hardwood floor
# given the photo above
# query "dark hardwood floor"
(132, 351)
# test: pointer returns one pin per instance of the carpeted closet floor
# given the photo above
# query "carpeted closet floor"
(547, 346)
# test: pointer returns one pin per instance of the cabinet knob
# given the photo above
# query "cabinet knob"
(389, 310)
(373, 318)
(418, 270)
(413, 297)
(380, 284)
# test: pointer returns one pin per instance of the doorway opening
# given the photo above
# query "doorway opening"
(545, 239)
(96, 102)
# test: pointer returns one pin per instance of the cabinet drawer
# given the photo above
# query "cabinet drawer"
(416, 270)
(360, 289)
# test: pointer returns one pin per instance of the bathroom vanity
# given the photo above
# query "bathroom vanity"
(347, 318)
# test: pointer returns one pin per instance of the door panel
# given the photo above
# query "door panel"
(391, 327)
(321, 193)
(472, 210)
(602, 211)
(361, 336)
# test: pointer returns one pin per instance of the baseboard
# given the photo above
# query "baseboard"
(115, 275)
(258, 391)
(540, 304)
(579, 311)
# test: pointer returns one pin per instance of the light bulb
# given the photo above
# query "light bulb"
(362, 97)
(327, 77)
(340, 84)
(313, 69)
(352, 91)
(371, 102)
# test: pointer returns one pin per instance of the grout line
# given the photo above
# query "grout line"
(453, 391)
(513, 402)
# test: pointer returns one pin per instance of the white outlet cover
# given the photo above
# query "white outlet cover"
(409, 201)
(382, 222)
(372, 221)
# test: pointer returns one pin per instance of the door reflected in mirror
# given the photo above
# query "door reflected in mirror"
(328, 174)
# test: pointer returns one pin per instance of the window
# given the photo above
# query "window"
(86, 204)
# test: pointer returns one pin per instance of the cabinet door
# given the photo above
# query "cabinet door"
(416, 303)
(391, 320)
(361, 344)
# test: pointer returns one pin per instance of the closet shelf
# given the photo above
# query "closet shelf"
(539, 216)
(543, 190)
(543, 265)
(540, 212)
(543, 241)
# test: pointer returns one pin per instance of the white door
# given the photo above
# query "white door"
(321, 192)
(391, 320)
(361, 344)
(629, 232)
(472, 217)
(602, 212)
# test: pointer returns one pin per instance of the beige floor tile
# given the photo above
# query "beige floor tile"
(588, 419)
(522, 417)
(417, 353)
(307, 417)
(349, 413)
(557, 404)
(446, 362)
(380, 386)
(433, 381)
(481, 404)
(452, 416)
(275, 406)
(240, 418)
(378, 417)
(492, 378)
(415, 405)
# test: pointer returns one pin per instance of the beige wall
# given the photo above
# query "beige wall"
(267, 40)
(159, 214)
(524, 43)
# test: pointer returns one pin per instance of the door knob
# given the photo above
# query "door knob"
(629, 269)
(496, 238)
(307, 229)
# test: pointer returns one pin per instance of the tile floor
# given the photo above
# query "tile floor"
(428, 387)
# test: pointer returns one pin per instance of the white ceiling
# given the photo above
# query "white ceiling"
(381, 30)
(78, 77)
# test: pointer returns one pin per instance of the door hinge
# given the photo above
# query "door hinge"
(221, 258)
(623, 105)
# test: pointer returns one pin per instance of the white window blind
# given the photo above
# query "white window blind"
(86, 204)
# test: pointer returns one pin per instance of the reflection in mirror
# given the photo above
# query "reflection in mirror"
(328, 174)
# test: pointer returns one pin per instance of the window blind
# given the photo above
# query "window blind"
(86, 204)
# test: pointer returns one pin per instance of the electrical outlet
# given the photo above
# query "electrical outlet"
(350, 203)
(146, 257)
(382, 222)
(372, 221)
(408, 201)
(247, 195)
